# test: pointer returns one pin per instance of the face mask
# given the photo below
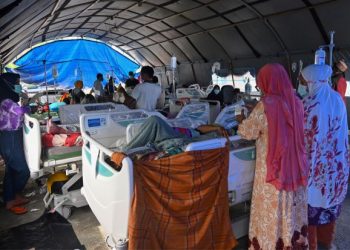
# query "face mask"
(18, 88)
(302, 90)
(216, 91)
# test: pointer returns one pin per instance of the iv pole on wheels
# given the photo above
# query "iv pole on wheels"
(330, 46)
(173, 65)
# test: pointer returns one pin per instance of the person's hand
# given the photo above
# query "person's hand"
(250, 107)
(240, 117)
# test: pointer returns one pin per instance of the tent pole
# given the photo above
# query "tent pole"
(233, 79)
(1, 65)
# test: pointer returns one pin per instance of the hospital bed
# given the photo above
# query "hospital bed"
(109, 191)
(42, 161)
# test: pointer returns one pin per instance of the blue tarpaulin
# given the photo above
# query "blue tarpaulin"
(74, 59)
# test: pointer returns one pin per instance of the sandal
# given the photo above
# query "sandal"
(21, 202)
(18, 210)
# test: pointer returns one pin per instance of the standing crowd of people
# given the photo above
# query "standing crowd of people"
(147, 96)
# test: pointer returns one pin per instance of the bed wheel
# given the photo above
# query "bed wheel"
(121, 244)
(66, 211)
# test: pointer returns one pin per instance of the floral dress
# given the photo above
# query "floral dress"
(278, 219)
(326, 138)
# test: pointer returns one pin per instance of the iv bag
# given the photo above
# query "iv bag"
(320, 57)
(54, 71)
(173, 62)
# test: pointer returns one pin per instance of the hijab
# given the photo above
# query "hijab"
(316, 77)
(287, 167)
(215, 94)
(326, 136)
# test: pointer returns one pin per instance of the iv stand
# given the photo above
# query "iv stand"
(330, 46)
(174, 87)
(47, 92)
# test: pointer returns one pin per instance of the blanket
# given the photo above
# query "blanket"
(181, 201)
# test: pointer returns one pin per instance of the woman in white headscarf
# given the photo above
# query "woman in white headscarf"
(326, 135)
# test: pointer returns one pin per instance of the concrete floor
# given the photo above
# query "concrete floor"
(91, 235)
(85, 224)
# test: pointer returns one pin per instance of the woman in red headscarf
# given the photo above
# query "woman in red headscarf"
(279, 205)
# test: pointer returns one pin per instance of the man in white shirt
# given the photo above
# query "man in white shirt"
(147, 93)
(98, 87)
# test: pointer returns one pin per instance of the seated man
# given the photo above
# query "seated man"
(77, 93)
(147, 93)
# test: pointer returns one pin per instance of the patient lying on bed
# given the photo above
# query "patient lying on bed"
(57, 136)
(157, 136)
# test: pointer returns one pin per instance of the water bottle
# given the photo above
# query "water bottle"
(248, 89)
(320, 57)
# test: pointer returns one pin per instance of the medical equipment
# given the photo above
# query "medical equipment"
(109, 191)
